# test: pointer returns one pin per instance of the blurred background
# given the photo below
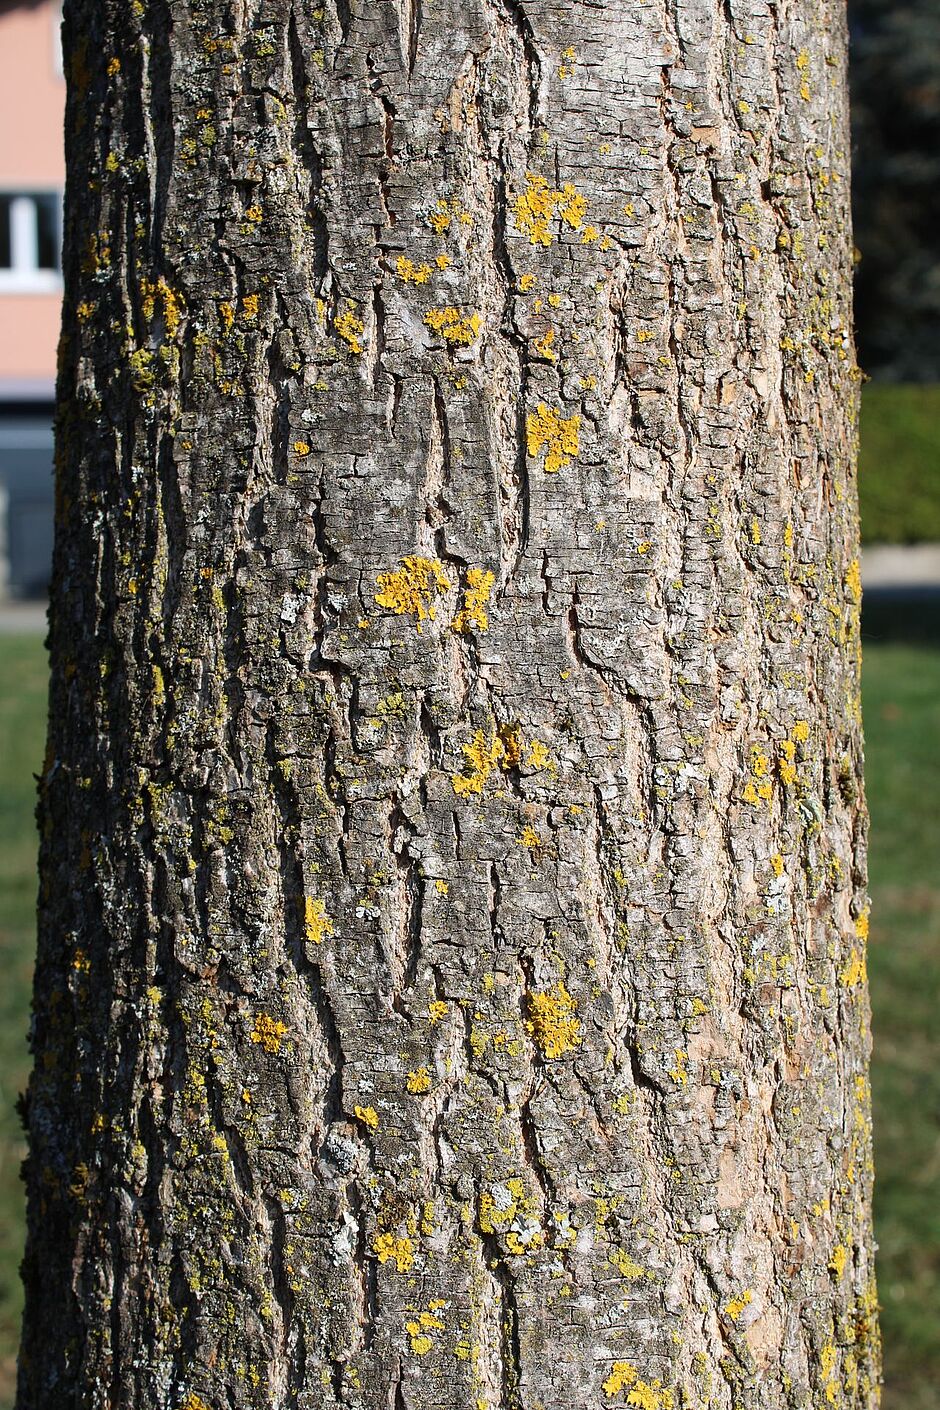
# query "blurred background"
(895, 81)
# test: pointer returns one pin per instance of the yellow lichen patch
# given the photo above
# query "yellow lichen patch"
(491, 1215)
(441, 887)
(758, 789)
(520, 1245)
(840, 1256)
(786, 766)
(622, 1375)
(537, 755)
(679, 1072)
(476, 595)
(419, 1081)
(737, 1304)
(437, 1009)
(350, 329)
(566, 67)
(301, 448)
(442, 261)
(444, 215)
(571, 207)
(409, 589)
(527, 283)
(482, 758)
(626, 1266)
(800, 731)
(368, 1116)
(853, 581)
(535, 207)
(399, 1249)
(412, 273)
(552, 1021)
(648, 1395)
(268, 1032)
(529, 838)
(505, 1208)
(317, 924)
(855, 971)
(503, 750)
(547, 428)
(454, 328)
(861, 924)
(193, 1402)
(160, 291)
(512, 745)
(543, 346)
(827, 1365)
(651, 1395)
(250, 304)
(426, 1322)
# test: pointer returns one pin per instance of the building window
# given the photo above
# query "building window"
(26, 498)
(30, 241)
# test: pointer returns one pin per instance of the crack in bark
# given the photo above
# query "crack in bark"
(515, 513)
(515, 13)
(311, 158)
(410, 29)
(344, 18)
(412, 899)
(510, 1353)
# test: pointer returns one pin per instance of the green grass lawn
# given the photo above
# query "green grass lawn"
(22, 740)
(899, 463)
(902, 721)
(901, 691)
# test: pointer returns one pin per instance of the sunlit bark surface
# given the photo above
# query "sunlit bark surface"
(451, 987)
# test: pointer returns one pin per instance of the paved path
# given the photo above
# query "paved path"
(914, 565)
(17, 618)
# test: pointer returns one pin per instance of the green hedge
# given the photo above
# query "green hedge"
(899, 463)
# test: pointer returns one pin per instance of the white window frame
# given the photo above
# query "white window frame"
(24, 275)
(57, 65)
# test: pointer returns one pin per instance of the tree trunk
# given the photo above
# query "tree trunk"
(451, 985)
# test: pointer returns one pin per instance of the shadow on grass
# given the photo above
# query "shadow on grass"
(905, 614)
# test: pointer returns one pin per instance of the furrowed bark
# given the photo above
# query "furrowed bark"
(451, 984)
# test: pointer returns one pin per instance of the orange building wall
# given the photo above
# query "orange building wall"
(29, 334)
(32, 97)
(32, 103)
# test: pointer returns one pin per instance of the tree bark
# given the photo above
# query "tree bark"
(451, 983)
